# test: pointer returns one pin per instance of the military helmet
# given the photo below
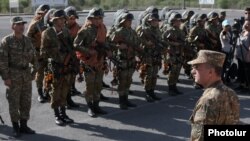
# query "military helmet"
(201, 17)
(213, 15)
(58, 14)
(187, 14)
(95, 12)
(153, 16)
(125, 16)
(71, 11)
(48, 16)
(174, 17)
(42, 9)
(152, 9)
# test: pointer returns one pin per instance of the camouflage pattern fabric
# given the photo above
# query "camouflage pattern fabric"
(54, 48)
(16, 59)
(218, 105)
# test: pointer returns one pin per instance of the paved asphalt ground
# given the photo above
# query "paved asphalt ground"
(165, 120)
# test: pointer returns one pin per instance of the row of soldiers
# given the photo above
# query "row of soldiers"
(57, 49)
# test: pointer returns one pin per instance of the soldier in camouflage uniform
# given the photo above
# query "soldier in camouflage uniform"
(198, 37)
(150, 36)
(188, 53)
(73, 28)
(213, 29)
(56, 52)
(92, 53)
(35, 29)
(111, 31)
(149, 10)
(218, 105)
(17, 60)
(127, 44)
(175, 38)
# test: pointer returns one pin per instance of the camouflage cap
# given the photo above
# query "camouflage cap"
(58, 14)
(16, 20)
(43, 8)
(211, 57)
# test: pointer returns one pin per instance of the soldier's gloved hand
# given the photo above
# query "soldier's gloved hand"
(123, 46)
(7, 82)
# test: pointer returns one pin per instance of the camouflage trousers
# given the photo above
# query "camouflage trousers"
(19, 99)
(60, 88)
(151, 77)
(174, 74)
(93, 81)
(40, 78)
(125, 80)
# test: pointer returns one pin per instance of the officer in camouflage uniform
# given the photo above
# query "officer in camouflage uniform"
(73, 28)
(92, 54)
(218, 105)
(213, 29)
(56, 52)
(150, 36)
(175, 38)
(127, 44)
(17, 62)
(35, 29)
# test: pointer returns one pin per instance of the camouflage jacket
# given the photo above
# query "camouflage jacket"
(151, 43)
(172, 36)
(129, 37)
(56, 46)
(217, 106)
(35, 29)
(17, 58)
(198, 35)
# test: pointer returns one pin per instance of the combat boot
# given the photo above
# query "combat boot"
(97, 108)
(123, 103)
(91, 111)
(46, 95)
(16, 129)
(41, 97)
(24, 127)
(70, 102)
(64, 116)
(129, 104)
(104, 98)
(152, 94)
(58, 119)
(148, 96)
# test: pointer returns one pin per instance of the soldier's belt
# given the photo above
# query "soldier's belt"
(18, 67)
